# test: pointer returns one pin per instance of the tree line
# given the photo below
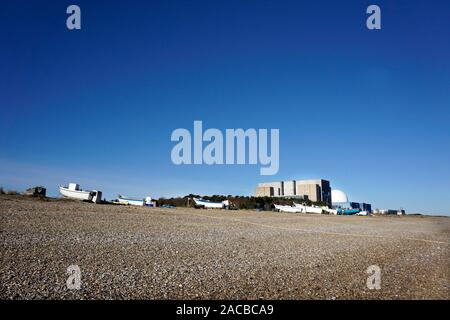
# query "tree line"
(237, 202)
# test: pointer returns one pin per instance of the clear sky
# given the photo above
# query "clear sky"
(367, 110)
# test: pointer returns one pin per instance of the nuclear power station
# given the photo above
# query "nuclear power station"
(314, 190)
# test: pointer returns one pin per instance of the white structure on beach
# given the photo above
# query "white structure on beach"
(74, 191)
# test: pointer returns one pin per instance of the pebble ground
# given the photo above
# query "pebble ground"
(151, 253)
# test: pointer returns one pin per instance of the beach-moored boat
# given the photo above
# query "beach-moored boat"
(330, 211)
(308, 209)
(290, 209)
(73, 191)
(348, 211)
(212, 205)
(131, 201)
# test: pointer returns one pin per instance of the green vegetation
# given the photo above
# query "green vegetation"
(9, 192)
(237, 202)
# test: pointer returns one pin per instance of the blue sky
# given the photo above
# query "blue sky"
(367, 110)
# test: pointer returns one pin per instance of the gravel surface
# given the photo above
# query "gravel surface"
(152, 253)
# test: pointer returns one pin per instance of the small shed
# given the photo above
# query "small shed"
(36, 191)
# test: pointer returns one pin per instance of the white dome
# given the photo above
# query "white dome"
(338, 196)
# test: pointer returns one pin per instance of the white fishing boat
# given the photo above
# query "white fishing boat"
(330, 211)
(308, 209)
(212, 205)
(73, 191)
(140, 202)
(288, 209)
(362, 213)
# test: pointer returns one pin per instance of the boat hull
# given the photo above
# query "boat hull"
(76, 194)
(133, 202)
(308, 209)
(288, 209)
(211, 205)
(348, 211)
(331, 211)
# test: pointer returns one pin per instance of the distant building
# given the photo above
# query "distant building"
(340, 200)
(353, 205)
(399, 212)
(270, 189)
(264, 191)
(361, 205)
(314, 190)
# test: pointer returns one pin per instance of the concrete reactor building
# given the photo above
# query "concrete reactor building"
(314, 190)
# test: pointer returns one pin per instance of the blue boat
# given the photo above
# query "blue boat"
(348, 211)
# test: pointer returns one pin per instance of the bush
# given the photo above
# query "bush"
(237, 202)
(9, 192)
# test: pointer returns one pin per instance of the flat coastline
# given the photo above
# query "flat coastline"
(153, 253)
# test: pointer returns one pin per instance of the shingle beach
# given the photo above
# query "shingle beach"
(152, 253)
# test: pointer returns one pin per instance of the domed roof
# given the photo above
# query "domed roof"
(338, 196)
